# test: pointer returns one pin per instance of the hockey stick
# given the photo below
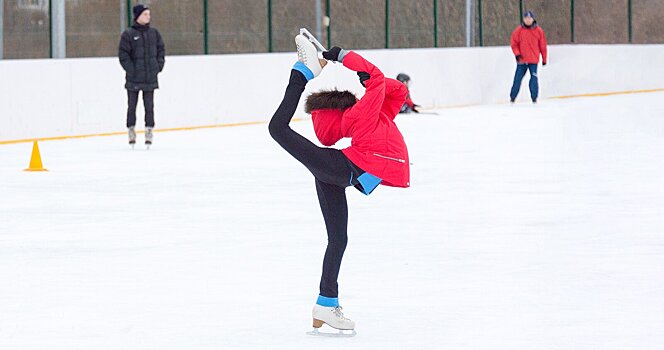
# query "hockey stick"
(304, 32)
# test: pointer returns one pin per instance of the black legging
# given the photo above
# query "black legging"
(148, 104)
(332, 171)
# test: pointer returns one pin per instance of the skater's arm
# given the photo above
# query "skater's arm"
(395, 96)
(515, 43)
(543, 48)
(161, 52)
(371, 103)
(124, 52)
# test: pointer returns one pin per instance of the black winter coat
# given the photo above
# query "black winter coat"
(141, 55)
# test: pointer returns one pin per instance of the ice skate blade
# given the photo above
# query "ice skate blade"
(339, 334)
(304, 32)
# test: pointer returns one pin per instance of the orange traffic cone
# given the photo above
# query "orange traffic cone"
(35, 160)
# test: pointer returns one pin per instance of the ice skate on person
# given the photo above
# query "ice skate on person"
(334, 317)
(148, 137)
(132, 136)
(307, 54)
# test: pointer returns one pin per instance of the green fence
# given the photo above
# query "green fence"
(92, 27)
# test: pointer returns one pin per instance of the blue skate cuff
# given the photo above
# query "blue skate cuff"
(302, 68)
(369, 182)
(326, 301)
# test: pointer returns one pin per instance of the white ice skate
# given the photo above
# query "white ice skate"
(307, 54)
(333, 317)
(148, 137)
(132, 136)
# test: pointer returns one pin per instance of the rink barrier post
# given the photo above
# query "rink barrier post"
(387, 24)
(481, 24)
(571, 22)
(630, 34)
(435, 23)
(206, 28)
(329, 22)
(269, 26)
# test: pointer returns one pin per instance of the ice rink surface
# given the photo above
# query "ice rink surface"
(526, 227)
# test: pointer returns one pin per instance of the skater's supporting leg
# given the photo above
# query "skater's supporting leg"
(132, 101)
(148, 103)
(326, 164)
(534, 82)
(332, 200)
(518, 77)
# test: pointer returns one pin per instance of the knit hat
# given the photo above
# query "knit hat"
(529, 13)
(138, 10)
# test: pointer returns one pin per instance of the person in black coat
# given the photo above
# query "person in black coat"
(141, 55)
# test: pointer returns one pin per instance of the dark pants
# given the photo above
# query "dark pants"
(148, 104)
(332, 171)
(518, 77)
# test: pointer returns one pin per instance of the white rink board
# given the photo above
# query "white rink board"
(47, 98)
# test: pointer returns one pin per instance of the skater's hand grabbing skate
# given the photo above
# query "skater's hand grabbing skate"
(335, 54)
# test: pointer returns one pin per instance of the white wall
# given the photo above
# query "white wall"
(43, 98)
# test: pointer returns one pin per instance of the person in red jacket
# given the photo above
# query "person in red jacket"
(528, 43)
(377, 155)
(408, 105)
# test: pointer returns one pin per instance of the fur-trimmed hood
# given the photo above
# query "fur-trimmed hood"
(327, 109)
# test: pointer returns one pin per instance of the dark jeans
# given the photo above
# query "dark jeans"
(148, 103)
(518, 77)
(332, 171)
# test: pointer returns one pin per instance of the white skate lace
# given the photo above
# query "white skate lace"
(301, 55)
(338, 311)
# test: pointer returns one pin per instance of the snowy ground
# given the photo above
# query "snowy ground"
(526, 227)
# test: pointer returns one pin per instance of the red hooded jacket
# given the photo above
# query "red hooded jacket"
(377, 145)
(529, 42)
(410, 102)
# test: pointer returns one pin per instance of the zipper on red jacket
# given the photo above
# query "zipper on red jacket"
(390, 158)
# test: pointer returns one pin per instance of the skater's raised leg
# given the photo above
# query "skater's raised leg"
(326, 164)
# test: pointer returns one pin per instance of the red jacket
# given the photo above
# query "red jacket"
(409, 101)
(529, 43)
(377, 145)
